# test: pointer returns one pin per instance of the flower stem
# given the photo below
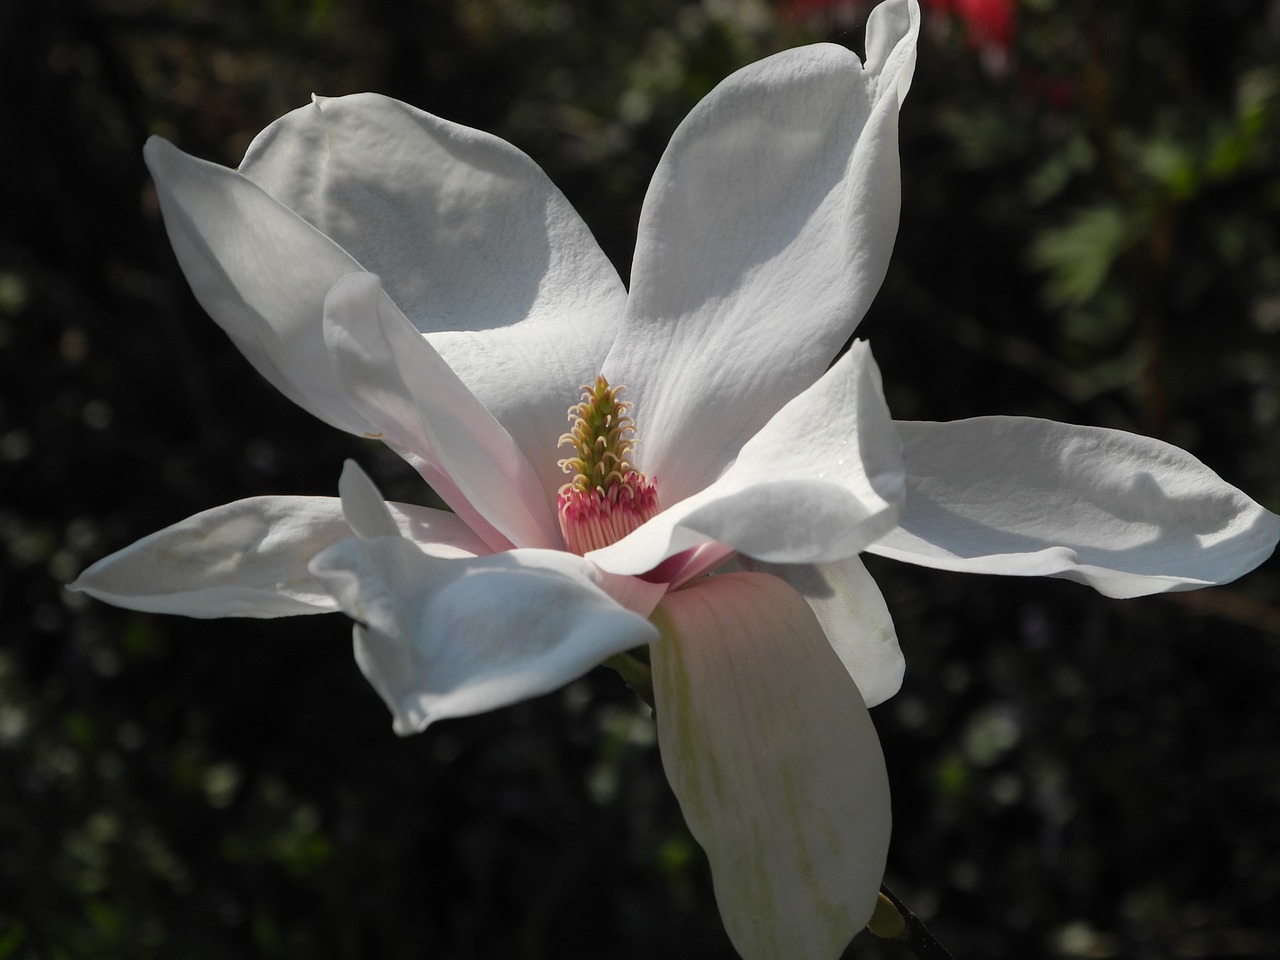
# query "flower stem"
(633, 667)
(893, 920)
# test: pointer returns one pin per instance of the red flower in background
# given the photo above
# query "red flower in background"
(988, 23)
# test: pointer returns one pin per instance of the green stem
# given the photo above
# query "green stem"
(633, 667)
(893, 920)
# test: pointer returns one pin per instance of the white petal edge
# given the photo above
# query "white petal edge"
(773, 757)
(472, 240)
(853, 615)
(821, 480)
(418, 405)
(450, 638)
(1126, 514)
(249, 558)
(764, 236)
(261, 272)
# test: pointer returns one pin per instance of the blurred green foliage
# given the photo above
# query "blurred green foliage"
(1090, 231)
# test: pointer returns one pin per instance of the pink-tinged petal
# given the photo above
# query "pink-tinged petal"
(259, 270)
(820, 481)
(854, 617)
(419, 406)
(765, 234)
(769, 749)
(449, 638)
(249, 558)
(472, 241)
(1126, 514)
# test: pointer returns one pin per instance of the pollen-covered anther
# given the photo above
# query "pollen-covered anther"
(607, 497)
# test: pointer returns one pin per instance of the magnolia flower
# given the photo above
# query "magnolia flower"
(405, 278)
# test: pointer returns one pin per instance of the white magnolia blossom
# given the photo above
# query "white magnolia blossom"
(406, 278)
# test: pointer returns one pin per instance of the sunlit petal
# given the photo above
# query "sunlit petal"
(472, 240)
(1126, 514)
(764, 236)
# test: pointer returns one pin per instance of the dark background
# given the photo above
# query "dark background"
(1089, 233)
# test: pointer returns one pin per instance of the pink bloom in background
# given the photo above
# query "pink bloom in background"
(987, 23)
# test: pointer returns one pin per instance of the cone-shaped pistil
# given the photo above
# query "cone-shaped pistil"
(607, 497)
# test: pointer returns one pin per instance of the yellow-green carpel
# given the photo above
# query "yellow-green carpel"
(607, 497)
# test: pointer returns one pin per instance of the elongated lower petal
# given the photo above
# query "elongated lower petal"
(418, 404)
(764, 236)
(819, 482)
(1126, 514)
(449, 638)
(769, 749)
(249, 558)
(854, 617)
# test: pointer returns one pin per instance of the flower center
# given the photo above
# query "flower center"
(607, 497)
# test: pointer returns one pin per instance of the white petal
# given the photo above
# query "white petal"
(764, 236)
(819, 482)
(369, 517)
(1126, 514)
(259, 270)
(249, 558)
(449, 638)
(366, 512)
(769, 749)
(413, 399)
(887, 56)
(472, 241)
(854, 617)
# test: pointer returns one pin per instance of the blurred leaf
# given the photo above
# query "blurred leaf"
(1079, 254)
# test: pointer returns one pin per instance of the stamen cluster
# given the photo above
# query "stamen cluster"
(607, 497)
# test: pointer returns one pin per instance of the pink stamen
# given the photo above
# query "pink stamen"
(594, 518)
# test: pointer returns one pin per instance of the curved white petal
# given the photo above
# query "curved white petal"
(366, 512)
(417, 404)
(259, 270)
(473, 242)
(449, 638)
(854, 617)
(820, 481)
(369, 516)
(1125, 514)
(765, 234)
(769, 749)
(249, 558)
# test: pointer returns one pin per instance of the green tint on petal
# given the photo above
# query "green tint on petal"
(773, 757)
(854, 617)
